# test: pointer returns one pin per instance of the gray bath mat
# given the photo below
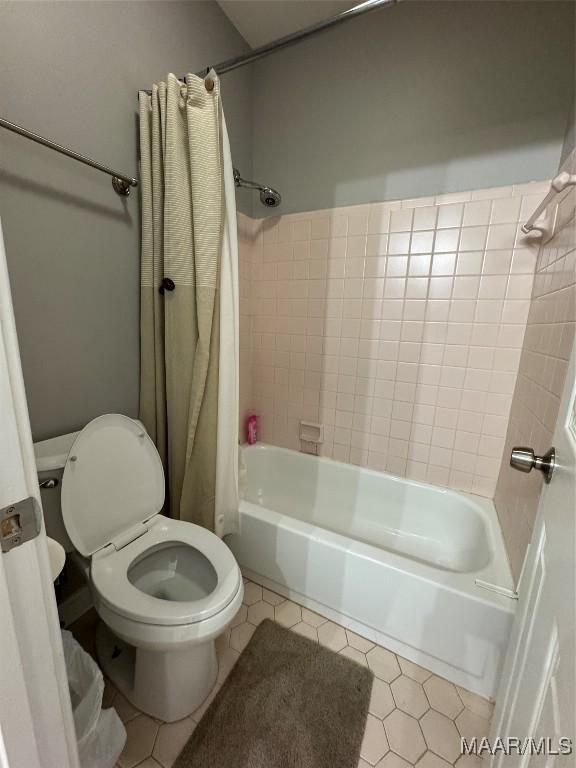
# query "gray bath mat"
(288, 703)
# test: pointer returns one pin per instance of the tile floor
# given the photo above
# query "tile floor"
(416, 718)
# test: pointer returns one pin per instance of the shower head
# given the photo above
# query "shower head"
(268, 196)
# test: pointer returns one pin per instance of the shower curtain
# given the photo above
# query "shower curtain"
(189, 298)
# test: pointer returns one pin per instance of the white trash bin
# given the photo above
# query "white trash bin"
(99, 732)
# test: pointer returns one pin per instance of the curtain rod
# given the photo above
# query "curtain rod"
(120, 182)
(295, 37)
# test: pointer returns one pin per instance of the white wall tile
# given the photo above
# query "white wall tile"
(536, 311)
(398, 326)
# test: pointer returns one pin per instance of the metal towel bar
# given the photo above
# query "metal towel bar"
(120, 182)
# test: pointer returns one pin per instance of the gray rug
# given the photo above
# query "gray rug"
(288, 703)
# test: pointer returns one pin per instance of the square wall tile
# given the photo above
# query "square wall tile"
(401, 221)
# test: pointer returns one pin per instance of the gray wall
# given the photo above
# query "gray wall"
(71, 71)
(419, 99)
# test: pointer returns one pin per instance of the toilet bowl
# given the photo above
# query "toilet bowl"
(164, 589)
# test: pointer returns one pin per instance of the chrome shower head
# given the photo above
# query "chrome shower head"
(269, 197)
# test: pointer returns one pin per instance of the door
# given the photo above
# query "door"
(537, 693)
(36, 726)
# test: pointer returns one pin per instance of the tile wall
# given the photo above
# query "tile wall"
(546, 351)
(398, 326)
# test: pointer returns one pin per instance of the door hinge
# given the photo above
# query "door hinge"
(19, 523)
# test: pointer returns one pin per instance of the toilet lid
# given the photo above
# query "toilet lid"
(113, 480)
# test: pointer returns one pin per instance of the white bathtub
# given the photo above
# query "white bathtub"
(396, 560)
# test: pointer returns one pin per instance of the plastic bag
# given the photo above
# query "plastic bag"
(99, 732)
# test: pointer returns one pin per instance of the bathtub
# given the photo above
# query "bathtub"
(418, 569)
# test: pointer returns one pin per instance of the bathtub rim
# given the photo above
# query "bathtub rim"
(496, 572)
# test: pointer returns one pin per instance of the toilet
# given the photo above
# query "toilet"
(165, 589)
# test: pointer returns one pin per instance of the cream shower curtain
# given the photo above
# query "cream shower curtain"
(189, 335)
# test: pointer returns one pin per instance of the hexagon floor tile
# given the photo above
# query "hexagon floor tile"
(415, 719)
(252, 593)
(404, 735)
(409, 696)
(260, 611)
(288, 614)
(332, 636)
(441, 735)
(305, 630)
(383, 663)
(375, 743)
(355, 655)
(381, 701)
(171, 740)
(443, 696)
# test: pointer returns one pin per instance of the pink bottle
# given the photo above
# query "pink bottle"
(252, 429)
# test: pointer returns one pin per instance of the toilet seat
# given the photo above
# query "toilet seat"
(112, 483)
(109, 571)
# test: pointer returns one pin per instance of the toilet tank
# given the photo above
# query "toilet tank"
(50, 460)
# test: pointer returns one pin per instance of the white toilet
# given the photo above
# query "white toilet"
(165, 589)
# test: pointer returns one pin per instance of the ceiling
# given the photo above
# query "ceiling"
(260, 21)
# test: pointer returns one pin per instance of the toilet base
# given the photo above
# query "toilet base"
(165, 685)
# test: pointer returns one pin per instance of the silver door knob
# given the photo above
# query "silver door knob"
(525, 460)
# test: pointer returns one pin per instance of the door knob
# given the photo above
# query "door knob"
(525, 460)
